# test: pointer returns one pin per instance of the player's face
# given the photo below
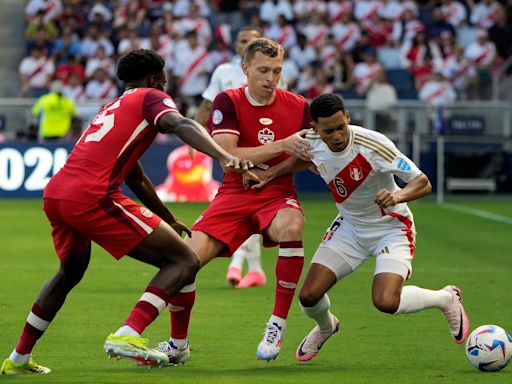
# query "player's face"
(243, 39)
(263, 73)
(333, 130)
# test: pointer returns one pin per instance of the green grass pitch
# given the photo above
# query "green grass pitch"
(452, 248)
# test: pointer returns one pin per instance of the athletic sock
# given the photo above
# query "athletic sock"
(152, 302)
(180, 308)
(288, 269)
(414, 299)
(253, 254)
(237, 260)
(320, 312)
(37, 322)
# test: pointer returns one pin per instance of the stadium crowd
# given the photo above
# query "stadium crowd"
(437, 51)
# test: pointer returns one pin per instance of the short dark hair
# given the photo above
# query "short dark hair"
(139, 63)
(326, 105)
(263, 45)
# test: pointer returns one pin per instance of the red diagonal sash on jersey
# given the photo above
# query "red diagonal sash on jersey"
(192, 68)
(350, 178)
(106, 92)
(318, 37)
(37, 71)
(438, 92)
(348, 35)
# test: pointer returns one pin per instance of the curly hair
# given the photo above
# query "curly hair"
(139, 63)
(263, 45)
(326, 105)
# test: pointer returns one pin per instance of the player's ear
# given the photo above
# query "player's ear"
(244, 68)
(347, 115)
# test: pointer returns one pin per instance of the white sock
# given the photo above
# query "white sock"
(179, 343)
(16, 358)
(278, 320)
(414, 299)
(237, 260)
(126, 330)
(320, 312)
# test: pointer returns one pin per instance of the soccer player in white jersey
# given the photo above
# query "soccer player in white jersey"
(228, 76)
(373, 220)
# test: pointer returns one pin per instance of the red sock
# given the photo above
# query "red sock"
(152, 302)
(37, 322)
(288, 269)
(180, 308)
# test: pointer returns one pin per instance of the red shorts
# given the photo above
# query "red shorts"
(232, 217)
(116, 223)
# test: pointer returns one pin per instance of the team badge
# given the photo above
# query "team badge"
(266, 121)
(217, 117)
(169, 103)
(403, 165)
(146, 212)
(356, 174)
(265, 136)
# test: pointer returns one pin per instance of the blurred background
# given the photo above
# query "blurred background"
(435, 76)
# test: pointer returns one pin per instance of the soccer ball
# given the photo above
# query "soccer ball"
(489, 348)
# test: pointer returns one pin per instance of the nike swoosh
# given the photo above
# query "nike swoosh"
(459, 335)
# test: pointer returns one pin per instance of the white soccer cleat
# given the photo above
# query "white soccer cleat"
(458, 321)
(311, 344)
(269, 347)
(176, 355)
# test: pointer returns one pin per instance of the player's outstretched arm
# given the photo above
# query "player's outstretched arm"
(416, 189)
(143, 188)
(290, 165)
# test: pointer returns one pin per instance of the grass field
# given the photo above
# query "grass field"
(452, 248)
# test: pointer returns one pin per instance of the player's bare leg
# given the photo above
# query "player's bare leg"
(316, 304)
(48, 303)
(286, 229)
(251, 251)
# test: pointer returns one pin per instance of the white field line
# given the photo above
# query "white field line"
(478, 213)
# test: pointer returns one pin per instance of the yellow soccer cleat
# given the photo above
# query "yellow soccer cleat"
(135, 348)
(10, 368)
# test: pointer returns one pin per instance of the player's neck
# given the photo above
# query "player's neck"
(258, 103)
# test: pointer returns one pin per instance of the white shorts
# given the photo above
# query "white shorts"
(344, 248)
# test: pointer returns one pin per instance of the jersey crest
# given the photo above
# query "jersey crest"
(266, 136)
(356, 173)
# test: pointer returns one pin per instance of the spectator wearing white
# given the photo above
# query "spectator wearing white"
(93, 40)
(101, 10)
(192, 66)
(365, 9)
(346, 32)
(412, 53)
(304, 8)
(282, 32)
(100, 87)
(195, 22)
(36, 72)
(381, 98)
(270, 9)
(181, 8)
(100, 60)
(462, 74)
(131, 12)
(337, 8)
(52, 9)
(131, 41)
(454, 12)
(161, 42)
(302, 53)
(366, 71)
(328, 52)
(484, 13)
(390, 10)
(74, 89)
(438, 91)
(405, 29)
(316, 30)
(289, 73)
(481, 52)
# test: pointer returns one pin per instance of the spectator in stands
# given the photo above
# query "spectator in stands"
(501, 34)
(37, 23)
(131, 41)
(438, 91)
(454, 12)
(193, 21)
(56, 113)
(271, 9)
(484, 13)
(41, 40)
(481, 52)
(322, 84)
(447, 44)
(381, 98)
(99, 13)
(413, 53)
(462, 74)
(51, 8)
(365, 9)
(94, 39)
(71, 66)
(346, 32)
(101, 86)
(283, 32)
(379, 30)
(342, 71)
(100, 60)
(407, 28)
(316, 30)
(337, 8)
(74, 89)
(366, 71)
(36, 72)
(72, 18)
(302, 53)
(67, 45)
(438, 25)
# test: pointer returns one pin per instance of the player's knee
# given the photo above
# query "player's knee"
(190, 266)
(293, 229)
(70, 277)
(387, 302)
(309, 298)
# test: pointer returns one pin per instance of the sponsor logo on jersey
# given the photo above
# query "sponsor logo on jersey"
(403, 165)
(292, 202)
(146, 212)
(287, 284)
(356, 174)
(169, 103)
(266, 121)
(217, 117)
(266, 136)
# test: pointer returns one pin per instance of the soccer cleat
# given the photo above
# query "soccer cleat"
(252, 279)
(311, 344)
(458, 321)
(234, 276)
(269, 347)
(136, 348)
(30, 367)
(174, 354)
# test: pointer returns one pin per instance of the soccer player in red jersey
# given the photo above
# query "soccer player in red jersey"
(263, 124)
(84, 202)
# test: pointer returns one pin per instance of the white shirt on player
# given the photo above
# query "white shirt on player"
(356, 174)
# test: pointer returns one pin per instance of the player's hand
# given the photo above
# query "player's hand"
(235, 164)
(297, 145)
(179, 227)
(256, 178)
(385, 199)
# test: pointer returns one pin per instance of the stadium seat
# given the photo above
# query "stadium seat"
(407, 95)
(389, 57)
(400, 79)
(349, 94)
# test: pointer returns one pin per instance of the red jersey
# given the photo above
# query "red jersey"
(110, 147)
(257, 125)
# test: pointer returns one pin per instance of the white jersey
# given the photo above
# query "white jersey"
(226, 76)
(356, 174)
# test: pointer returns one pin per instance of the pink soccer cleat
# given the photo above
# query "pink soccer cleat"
(455, 314)
(234, 276)
(311, 344)
(252, 279)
